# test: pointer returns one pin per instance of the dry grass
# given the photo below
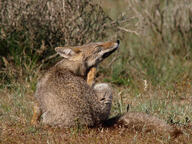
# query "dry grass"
(55, 22)
(16, 112)
(87, 136)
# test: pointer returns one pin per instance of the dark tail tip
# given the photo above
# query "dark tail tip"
(118, 41)
(176, 132)
(111, 122)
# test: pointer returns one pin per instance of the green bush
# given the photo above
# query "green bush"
(30, 30)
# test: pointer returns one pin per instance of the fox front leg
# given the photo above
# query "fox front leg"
(91, 76)
(36, 114)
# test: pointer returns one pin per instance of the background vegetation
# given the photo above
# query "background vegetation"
(151, 72)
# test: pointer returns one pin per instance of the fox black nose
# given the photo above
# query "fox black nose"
(118, 41)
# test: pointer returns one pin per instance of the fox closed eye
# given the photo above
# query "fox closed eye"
(99, 48)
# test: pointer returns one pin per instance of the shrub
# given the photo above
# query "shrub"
(31, 29)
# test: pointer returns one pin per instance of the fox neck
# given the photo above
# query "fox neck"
(77, 68)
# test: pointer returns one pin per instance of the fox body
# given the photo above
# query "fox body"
(66, 95)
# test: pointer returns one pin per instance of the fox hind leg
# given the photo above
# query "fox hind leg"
(105, 96)
(36, 114)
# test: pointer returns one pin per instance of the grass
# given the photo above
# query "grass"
(150, 73)
(16, 112)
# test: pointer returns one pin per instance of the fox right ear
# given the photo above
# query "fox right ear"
(66, 52)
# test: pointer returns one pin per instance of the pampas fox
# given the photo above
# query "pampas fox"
(67, 94)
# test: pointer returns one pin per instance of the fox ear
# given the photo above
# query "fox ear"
(67, 52)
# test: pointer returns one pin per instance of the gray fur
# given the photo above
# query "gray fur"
(63, 94)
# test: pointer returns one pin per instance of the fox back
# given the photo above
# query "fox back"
(63, 94)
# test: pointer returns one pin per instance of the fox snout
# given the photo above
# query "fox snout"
(102, 51)
(115, 45)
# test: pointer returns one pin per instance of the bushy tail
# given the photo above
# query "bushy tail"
(143, 122)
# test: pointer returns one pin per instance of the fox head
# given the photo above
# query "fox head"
(79, 59)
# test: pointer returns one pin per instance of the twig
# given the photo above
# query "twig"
(46, 59)
(50, 57)
(127, 30)
(114, 59)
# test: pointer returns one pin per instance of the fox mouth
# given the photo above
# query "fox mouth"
(94, 61)
(113, 50)
(102, 57)
(109, 53)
